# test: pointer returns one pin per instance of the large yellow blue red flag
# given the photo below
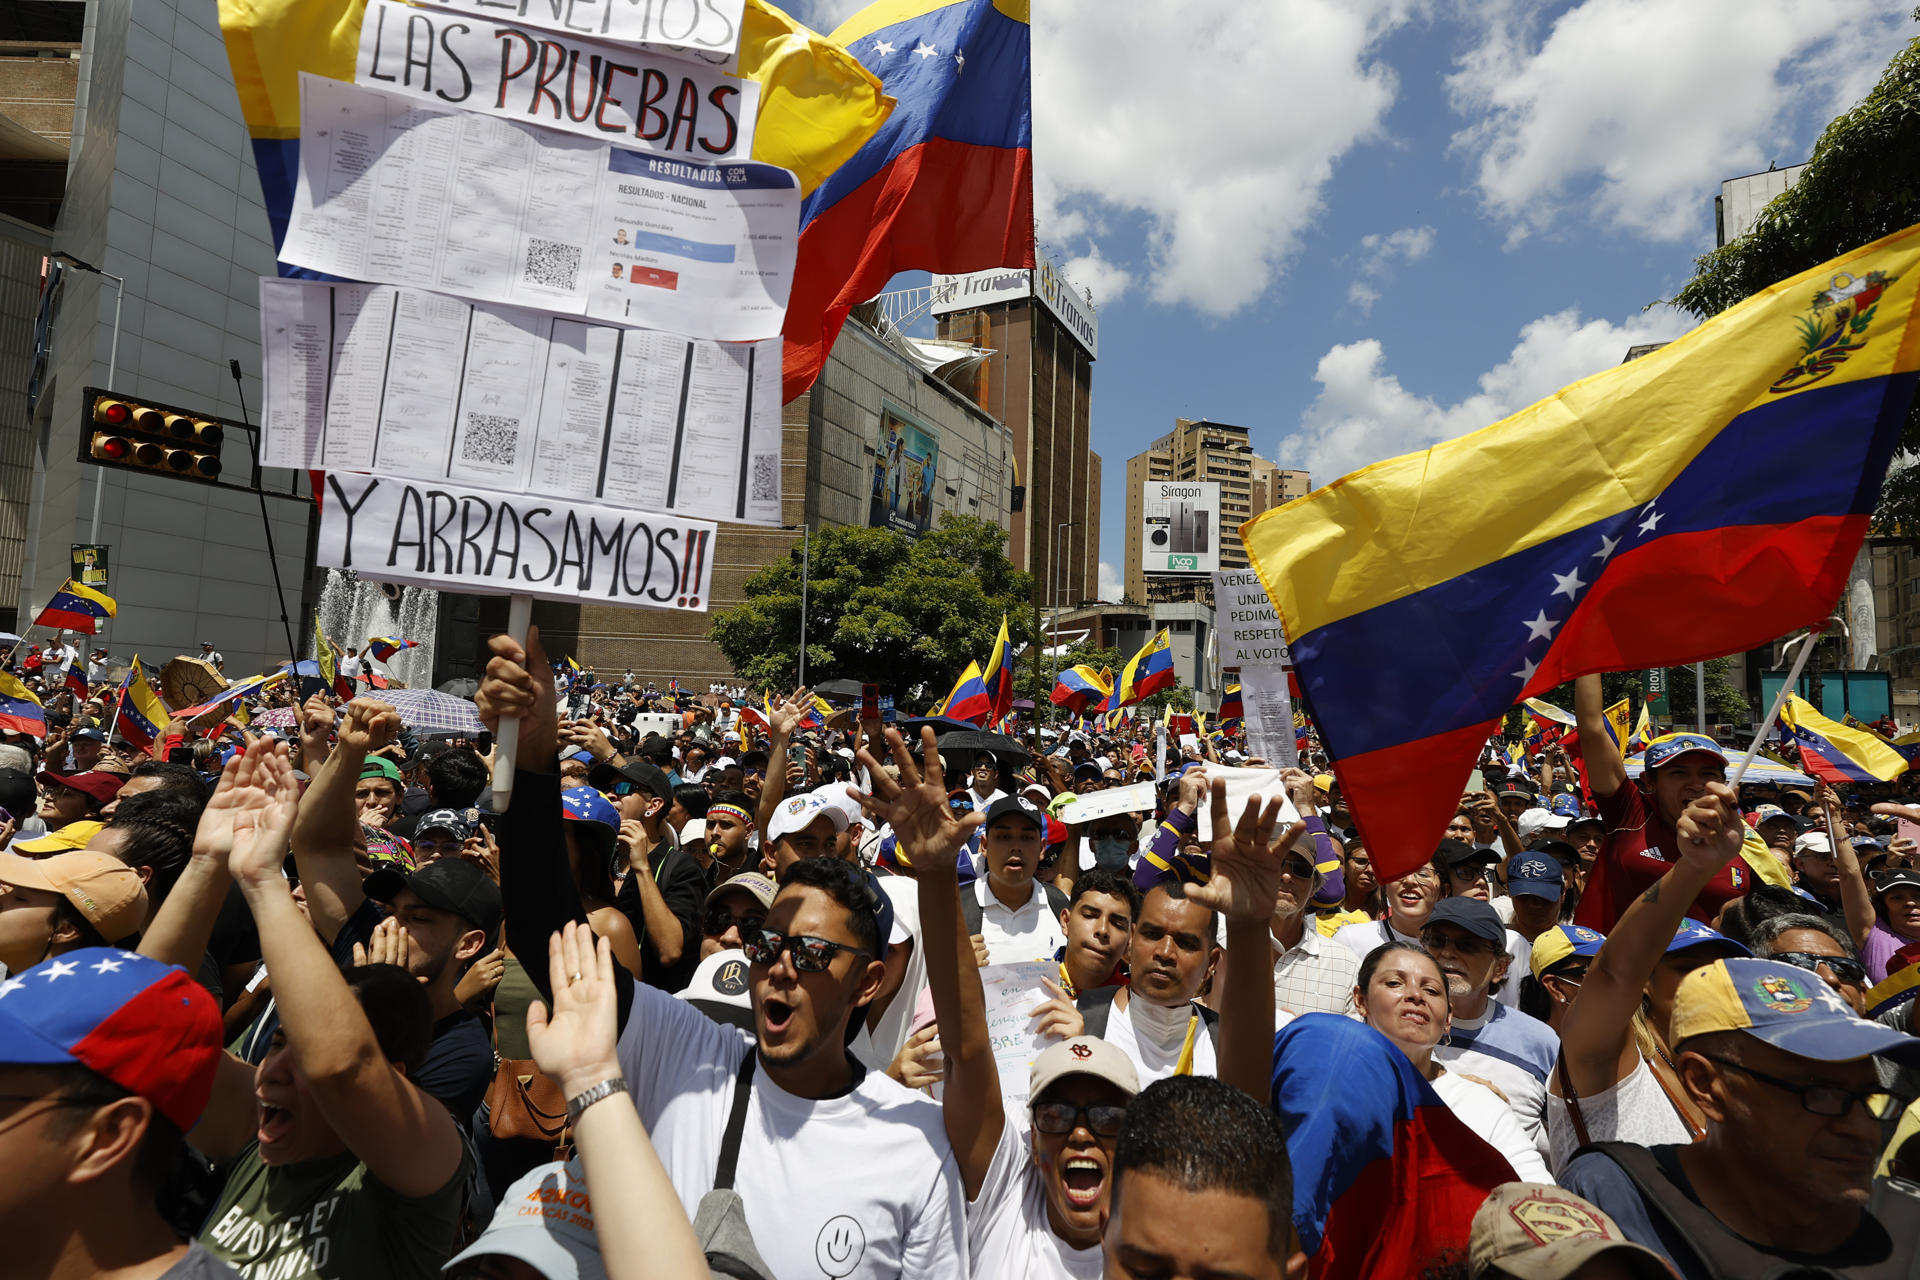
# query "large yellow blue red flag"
(1835, 753)
(1146, 673)
(1080, 688)
(997, 676)
(1639, 518)
(968, 699)
(76, 608)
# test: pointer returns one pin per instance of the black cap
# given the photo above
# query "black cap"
(449, 884)
(1885, 880)
(1514, 786)
(1018, 807)
(1458, 853)
(1476, 917)
(643, 774)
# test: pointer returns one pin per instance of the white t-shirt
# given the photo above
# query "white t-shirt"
(350, 667)
(1154, 1036)
(1481, 1110)
(1031, 933)
(980, 805)
(876, 1046)
(1007, 1229)
(1635, 1109)
(1513, 1051)
(858, 1187)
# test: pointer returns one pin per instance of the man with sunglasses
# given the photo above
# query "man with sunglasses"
(1499, 1044)
(1783, 1073)
(1311, 972)
(1809, 942)
(734, 910)
(841, 1171)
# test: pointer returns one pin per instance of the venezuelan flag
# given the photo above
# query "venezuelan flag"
(20, 710)
(1899, 987)
(1386, 1179)
(1642, 732)
(1834, 753)
(232, 694)
(997, 676)
(1080, 689)
(1650, 491)
(1146, 673)
(76, 608)
(384, 647)
(142, 714)
(947, 182)
(74, 677)
(1616, 726)
(818, 105)
(969, 699)
(1233, 707)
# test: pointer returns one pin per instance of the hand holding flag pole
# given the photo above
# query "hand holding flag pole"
(506, 738)
(1787, 686)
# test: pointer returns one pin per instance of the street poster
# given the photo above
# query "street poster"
(906, 464)
(1249, 630)
(89, 565)
(706, 29)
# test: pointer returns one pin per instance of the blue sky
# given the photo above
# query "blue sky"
(1357, 227)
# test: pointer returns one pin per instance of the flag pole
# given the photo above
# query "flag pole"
(506, 739)
(1787, 686)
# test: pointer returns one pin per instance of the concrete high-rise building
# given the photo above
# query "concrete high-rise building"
(1199, 450)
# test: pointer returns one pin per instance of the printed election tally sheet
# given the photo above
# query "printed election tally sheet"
(405, 382)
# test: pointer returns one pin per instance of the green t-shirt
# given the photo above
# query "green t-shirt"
(331, 1220)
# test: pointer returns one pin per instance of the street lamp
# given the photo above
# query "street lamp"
(1059, 534)
(113, 361)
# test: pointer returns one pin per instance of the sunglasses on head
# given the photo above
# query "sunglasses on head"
(810, 955)
(1103, 1120)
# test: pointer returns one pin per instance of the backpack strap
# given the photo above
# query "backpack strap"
(736, 1124)
(970, 909)
(1095, 1006)
(1056, 900)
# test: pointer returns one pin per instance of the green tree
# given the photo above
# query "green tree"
(1862, 182)
(906, 614)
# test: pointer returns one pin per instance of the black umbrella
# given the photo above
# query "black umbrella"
(960, 742)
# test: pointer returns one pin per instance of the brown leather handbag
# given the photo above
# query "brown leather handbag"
(524, 1104)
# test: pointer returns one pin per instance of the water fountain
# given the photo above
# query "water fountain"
(353, 608)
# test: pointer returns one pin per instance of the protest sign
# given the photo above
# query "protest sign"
(1135, 798)
(653, 101)
(1269, 715)
(1249, 629)
(423, 533)
(394, 190)
(1242, 784)
(1013, 991)
(415, 384)
(704, 29)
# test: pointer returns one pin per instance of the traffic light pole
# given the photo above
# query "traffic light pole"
(113, 366)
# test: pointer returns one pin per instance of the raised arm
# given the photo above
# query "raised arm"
(931, 837)
(782, 720)
(1246, 864)
(1596, 1036)
(183, 927)
(328, 827)
(1606, 771)
(1855, 899)
(406, 1138)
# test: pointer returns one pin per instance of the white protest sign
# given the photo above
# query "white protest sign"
(706, 29)
(438, 535)
(1135, 798)
(1013, 991)
(409, 383)
(1249, 630)
(395, 190)
(1241, 784)
(1269, 715)
(613, 93)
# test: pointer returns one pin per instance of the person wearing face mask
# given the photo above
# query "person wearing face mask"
(1402, 994)
(1112, 842)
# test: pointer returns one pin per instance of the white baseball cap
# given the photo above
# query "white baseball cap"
(1533, 821)
(797, 813)
(546, 1221)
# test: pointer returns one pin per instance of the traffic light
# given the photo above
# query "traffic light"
(143, 436)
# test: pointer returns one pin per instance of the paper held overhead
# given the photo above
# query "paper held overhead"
(428, 534)
(395, 190)
(705, 29)
(653, 101)
(409, 383)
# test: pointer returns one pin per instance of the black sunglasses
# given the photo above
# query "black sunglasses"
(810, 955)
(1298, 868)
(1103, 1120)
(1841, 967)
(719, 920)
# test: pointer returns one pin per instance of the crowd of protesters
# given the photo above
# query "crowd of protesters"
(711, 995)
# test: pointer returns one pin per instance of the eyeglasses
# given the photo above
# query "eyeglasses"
(810, 955)
(1103, 1120)
(1819, 1099)
(1466, 945)
(1840, 966)
(719, 920)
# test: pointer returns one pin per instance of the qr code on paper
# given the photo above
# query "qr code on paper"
(551, 264)
(490, 439)
(765, 483)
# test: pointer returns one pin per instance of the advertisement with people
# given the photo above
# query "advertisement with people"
(905, 465)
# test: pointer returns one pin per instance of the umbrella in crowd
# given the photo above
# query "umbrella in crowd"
(1761, 770)
(430, 711)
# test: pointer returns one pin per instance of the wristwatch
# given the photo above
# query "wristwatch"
(579, 1102)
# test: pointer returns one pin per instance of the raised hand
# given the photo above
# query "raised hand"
(574, 1043)
(1057, 1015)
(1299, 785)
(478, 982)
(519, 682)
(1246, 858)
(920, 1062)
(316, 731)
(369, 726)
(1712, 830)
(258, 816)
(786, 715)
(390, 944)
(481, 850)
(926, 830)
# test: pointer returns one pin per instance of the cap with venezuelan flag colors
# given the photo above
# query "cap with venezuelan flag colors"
(1563, 942)
(1669, 747)
(1789, 1008)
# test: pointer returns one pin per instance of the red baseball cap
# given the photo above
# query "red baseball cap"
(101, 786)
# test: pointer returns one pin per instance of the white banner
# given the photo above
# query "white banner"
(422, 533)
(704, 29)
(395, 190)
(612, 93)
(1246, 625)
(1135, 798)
(1242, 784)
(1269, 718)
(408, 383)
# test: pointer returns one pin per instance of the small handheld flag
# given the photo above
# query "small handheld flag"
(1834, 753)
(969, 699)
(20, 710)
(384, 647)
(142, 714)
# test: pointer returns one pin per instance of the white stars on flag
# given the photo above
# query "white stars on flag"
(882, 48)
(1540, 627)
(923, 51)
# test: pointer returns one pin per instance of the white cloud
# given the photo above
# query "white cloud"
(1639, 108)
(1166, 118)
(1378, 255)
(1091, 271)
(1111, 587)
(1363, 413)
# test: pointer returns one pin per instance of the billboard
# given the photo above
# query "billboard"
(1068, 304)
(1180, 530)
(906, 463)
